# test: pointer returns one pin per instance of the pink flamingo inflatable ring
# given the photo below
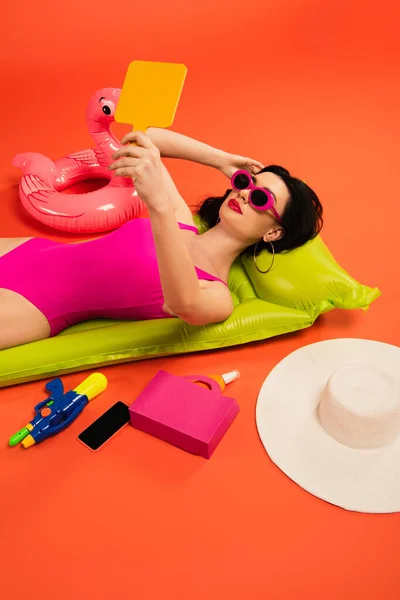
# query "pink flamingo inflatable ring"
(43, 181)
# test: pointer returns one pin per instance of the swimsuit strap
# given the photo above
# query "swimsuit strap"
(207, 276)
(190, 227)
(201, 274)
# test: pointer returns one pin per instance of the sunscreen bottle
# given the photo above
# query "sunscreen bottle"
(222, 380)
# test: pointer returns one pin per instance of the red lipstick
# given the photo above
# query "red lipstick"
(234, 205)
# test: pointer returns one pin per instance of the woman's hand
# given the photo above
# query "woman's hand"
(141, 162)
(234, 162)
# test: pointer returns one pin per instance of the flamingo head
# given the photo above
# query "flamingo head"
(101, 108)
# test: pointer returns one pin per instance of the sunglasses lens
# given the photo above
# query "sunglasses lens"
(241, 181)
(259, 198)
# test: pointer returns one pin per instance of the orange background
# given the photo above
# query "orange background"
(307, 84)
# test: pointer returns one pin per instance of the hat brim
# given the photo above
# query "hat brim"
(289, 428)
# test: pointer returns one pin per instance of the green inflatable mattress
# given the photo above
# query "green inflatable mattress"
(302, 284)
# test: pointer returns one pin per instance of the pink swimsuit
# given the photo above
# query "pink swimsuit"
(115, 276)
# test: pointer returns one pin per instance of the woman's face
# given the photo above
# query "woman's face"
(248, 224)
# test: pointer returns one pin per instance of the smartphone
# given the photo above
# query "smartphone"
(106, 426)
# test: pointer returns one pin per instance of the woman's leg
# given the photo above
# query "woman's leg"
(8, 244)
(20, 321)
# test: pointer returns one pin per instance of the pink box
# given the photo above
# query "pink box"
(178, 411)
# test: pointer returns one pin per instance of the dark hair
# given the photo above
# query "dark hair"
(301, 220)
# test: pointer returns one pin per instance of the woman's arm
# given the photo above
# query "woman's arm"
(182, 211)
(183, 295)
(176, 145)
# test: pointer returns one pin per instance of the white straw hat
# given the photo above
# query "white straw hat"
(329, 418)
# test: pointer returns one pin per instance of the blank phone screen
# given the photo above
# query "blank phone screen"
(105, 426)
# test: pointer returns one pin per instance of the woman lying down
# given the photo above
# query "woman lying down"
(156, 267)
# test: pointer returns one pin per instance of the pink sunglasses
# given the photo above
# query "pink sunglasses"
(260, 199)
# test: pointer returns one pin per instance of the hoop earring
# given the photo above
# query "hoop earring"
(218, 220)
(255, 259)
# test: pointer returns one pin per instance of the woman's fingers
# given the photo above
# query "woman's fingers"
(130, 150)
(255, 168)
(124, 162)
(139, 137)
(256, 164)
(124, 172)
(130, 137)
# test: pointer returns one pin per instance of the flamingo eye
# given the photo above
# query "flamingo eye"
(107, 106)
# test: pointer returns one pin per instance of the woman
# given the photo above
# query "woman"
(157, 267)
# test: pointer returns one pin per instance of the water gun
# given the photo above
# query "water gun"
(56, 412)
